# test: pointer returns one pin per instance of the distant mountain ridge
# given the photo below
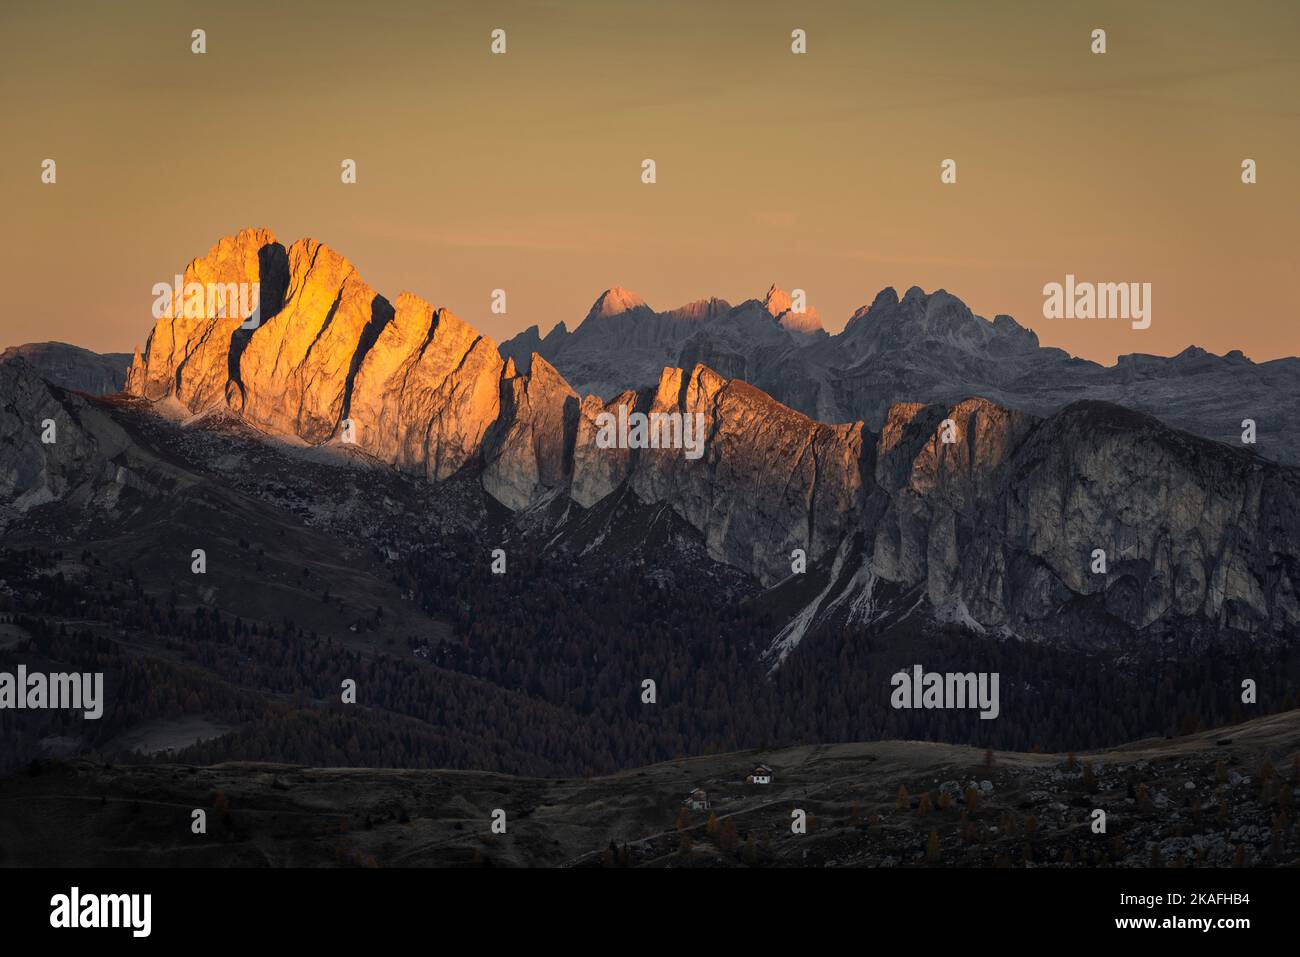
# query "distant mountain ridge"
(995, 530)
(924, 347)
(72, 367)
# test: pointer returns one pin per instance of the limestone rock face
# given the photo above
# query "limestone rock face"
(936, 489)
(296, 370)
(418, 386)
(427, 391)
(770, 479)
(189, 356)
(597, 472)
(1189, 528)
(529, 452)
(77, 466)
(1002, 526)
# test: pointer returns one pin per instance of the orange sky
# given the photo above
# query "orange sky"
(522, 171)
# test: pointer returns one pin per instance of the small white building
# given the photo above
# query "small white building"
(761, 774)
(697, 800)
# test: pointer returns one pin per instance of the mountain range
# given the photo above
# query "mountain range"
(924, 347)
(996, 530)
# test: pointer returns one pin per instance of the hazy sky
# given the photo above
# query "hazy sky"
(522, 171)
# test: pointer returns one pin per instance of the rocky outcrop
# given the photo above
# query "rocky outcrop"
(55, 446)
(1193, 531)
(530, 450)
(1092, 525)
(599, 472)
(192, 353)
(770, 480)
(426, 391)
(938, 468)
(296, 371)
(803, 321)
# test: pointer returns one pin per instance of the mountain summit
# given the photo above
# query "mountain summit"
(780, 307)
(614, 302)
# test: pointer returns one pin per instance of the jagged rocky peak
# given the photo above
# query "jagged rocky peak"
(187, 353)
(337, 363)
(1014, 335)
(529, 451)
(520, 348)
(418, 386)
(806, 323)
(955, 451)
(532, 336)
(780, 306)
(934, 309)
(55, 446)
(777, 301)
(885, 302)
(921, 319)
(914, 304)
(615, 302)
(886, 298)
